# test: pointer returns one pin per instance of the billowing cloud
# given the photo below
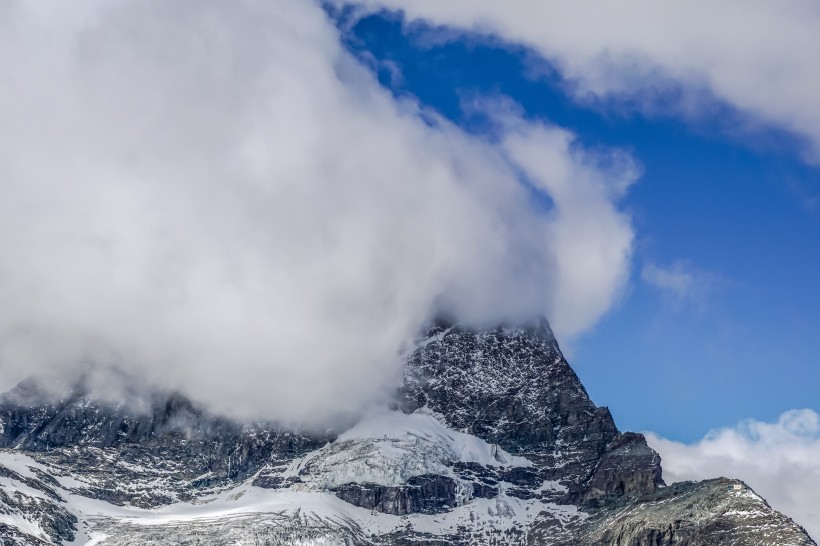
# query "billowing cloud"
(781, 461)
(217, 197)
(757, 56)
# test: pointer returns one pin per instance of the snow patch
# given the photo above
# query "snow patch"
(388, 448)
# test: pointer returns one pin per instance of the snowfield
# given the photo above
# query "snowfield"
(390, 447)
(386, 448)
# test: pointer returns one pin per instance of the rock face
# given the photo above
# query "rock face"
(181, 448)
(513, 387)
(46, 511)
(492, 440)
(690, 514)
(427, 494)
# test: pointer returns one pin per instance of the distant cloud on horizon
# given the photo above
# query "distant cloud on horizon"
(780, 460)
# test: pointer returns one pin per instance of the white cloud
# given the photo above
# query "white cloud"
(781, 461)
(759, 56)
(217, 197)
(676, 279)
(588, 236)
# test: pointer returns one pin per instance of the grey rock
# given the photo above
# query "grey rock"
(272, 481)
(513, 387)
(184, 447)
(627, 467)
(427, 494)
(12, 536)
(48, 514)
(694, 514)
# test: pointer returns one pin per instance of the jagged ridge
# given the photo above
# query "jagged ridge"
(500, 445)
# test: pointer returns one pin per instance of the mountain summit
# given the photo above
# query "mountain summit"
(492, 439)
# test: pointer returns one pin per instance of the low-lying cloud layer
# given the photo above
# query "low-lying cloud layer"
(217, 197)
(758, 56)
(781, 461)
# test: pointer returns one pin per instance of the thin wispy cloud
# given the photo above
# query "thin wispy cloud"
(677, 281)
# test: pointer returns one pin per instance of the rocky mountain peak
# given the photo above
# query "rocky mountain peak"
(513, 387)
(492, 440)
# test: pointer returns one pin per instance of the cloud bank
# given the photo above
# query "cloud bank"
(216, 197)
(781, 461)
(757, 56)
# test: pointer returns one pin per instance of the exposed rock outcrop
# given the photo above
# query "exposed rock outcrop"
(177, 446)
(693, 514)
(513, 387)
(427, 494)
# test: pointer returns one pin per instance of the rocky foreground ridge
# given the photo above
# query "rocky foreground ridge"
(492, 440)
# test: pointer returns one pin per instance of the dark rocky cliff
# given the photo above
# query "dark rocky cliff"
(513, 387)
(182, 447)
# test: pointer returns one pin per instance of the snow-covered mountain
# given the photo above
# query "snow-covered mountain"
(491, 440)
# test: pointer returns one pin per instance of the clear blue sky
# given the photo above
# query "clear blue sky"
(739, 214)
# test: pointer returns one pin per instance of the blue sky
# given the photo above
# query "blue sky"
(733, 215)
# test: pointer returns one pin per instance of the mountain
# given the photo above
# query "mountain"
(492, 439)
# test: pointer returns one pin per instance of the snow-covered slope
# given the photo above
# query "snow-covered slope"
(391, 447)
(307, 511)
(492, 440)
